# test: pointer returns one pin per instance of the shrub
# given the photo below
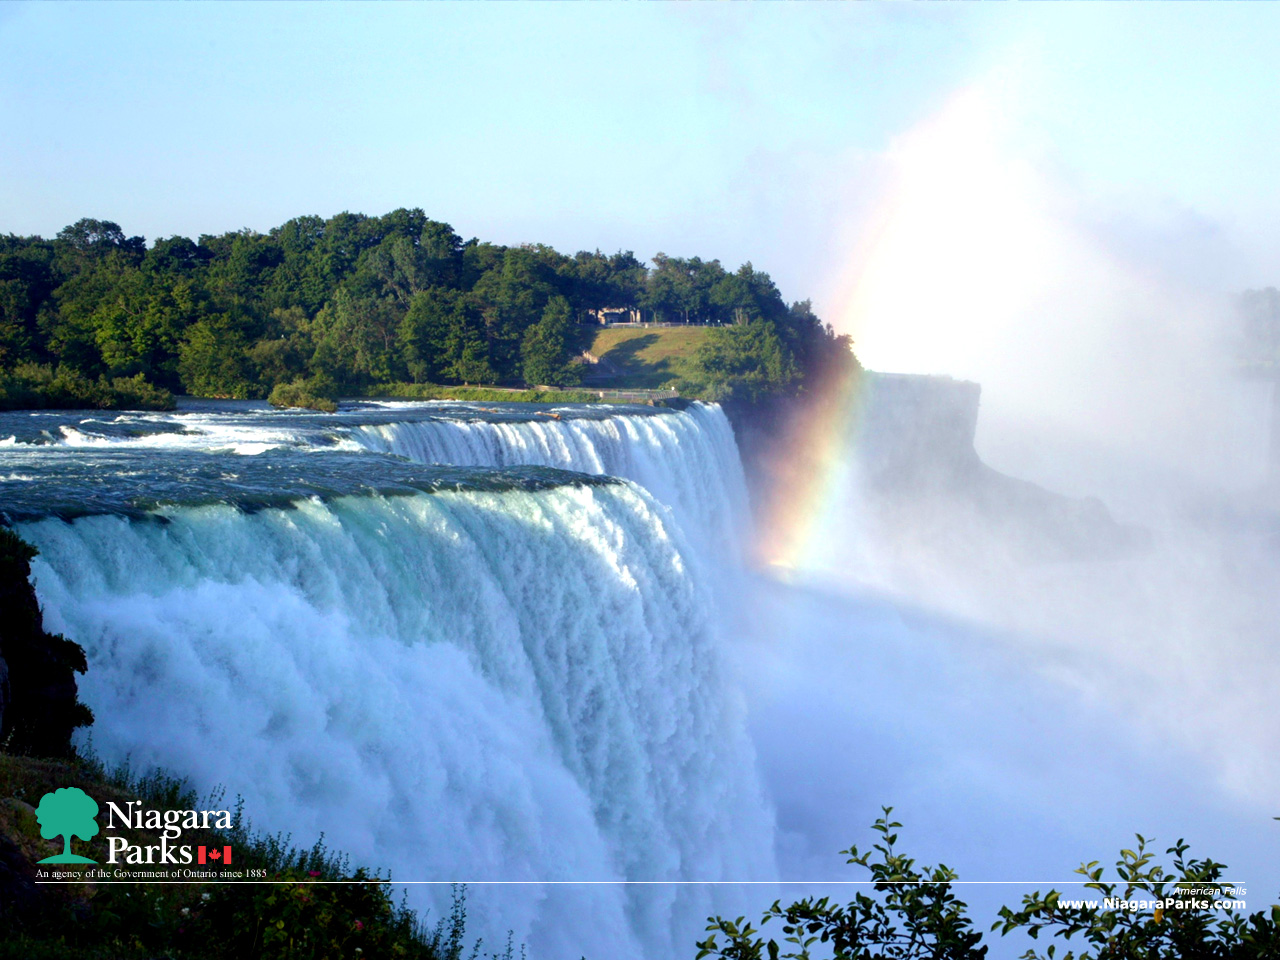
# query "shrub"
(36, 386)
(914, 915)
(315, 393)
(1185, 925)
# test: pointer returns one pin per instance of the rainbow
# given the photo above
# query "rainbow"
(810, 472)
(946, 261)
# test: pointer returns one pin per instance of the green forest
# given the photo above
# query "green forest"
(358, 305)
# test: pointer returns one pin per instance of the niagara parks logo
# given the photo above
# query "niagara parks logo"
(68, 812)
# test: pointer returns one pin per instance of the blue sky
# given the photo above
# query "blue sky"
(731, 131)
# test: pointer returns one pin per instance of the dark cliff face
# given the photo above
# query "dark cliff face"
(38, 704)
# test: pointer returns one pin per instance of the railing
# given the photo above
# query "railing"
(659, 323)
(637, 394)
(612, 393)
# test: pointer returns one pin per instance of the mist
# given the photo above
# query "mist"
(1033, 671)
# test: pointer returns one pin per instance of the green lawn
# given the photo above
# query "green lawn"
(643, 358)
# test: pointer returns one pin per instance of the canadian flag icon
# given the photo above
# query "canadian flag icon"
(215, 855)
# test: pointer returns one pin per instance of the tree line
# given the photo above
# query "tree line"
(353, 303)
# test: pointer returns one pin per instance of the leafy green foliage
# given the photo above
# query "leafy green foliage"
(747, 361)
(549, 350)
(41, 385)
(1186, 924)
(314, 393)
(436, 391)
(214, 362)
(365, 302)
(914, 914)
(442, 338)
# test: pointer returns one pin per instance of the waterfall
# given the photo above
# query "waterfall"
(506, 685)
(688, 460)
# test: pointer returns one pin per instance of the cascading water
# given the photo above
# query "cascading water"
(510, 683)
(687, 460)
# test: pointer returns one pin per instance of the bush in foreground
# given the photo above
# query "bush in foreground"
(913, 915)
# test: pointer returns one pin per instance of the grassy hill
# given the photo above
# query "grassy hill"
(643, 357)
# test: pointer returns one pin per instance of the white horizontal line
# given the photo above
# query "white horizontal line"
(635, 883)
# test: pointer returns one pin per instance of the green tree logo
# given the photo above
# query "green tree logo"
(68, 812)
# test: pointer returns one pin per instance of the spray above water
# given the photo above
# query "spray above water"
(1148, 587)
(1098, 368)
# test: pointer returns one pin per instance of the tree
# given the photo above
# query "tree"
(548, 349)
(597, 281)
(677, 288)
(176, 255)
(747, 360)
(355, 337)
(87, 241)
(213, 360)
(138, 328)
(680, 289)
(71, 330)
(511, 300)
(399, 268)
(27, 280)
(442, 339)
(282, 353)
(470, 362)
(441, 254)
(434, 324)
(478, 259)
(366, 301)
(68, 812)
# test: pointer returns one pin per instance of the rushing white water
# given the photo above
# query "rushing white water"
(687, 460)
(457, 686)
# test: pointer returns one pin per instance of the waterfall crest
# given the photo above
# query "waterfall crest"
(688, 459)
